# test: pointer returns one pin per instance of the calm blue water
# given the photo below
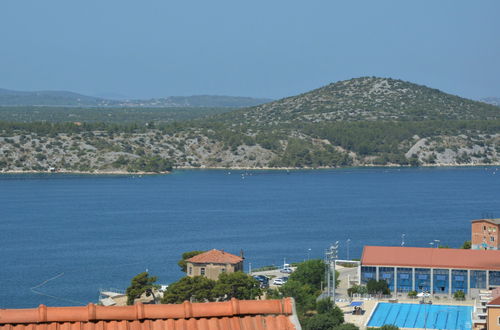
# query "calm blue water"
(93, 232)
(444, 317)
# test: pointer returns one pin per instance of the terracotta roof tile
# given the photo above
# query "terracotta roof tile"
(430, 257)
(494, 302)
(234, 314)
(215, 257)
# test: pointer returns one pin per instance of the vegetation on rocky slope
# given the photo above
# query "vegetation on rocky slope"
(428, 127)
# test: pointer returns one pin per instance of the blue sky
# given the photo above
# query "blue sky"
(156, 48)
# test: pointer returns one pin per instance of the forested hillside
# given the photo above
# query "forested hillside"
(359, 122)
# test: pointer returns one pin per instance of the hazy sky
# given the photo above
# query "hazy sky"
(155, 48)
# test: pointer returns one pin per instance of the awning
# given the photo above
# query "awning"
(356, 303)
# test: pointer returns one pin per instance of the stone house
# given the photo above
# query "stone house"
(213, 263)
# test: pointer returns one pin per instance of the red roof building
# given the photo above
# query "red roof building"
(213, 263)
(430, 257)
(439, 271)
(234, 314)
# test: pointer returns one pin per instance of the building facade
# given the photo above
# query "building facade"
(438, 271)
(485, 234)
(213, 263)
(493, 318)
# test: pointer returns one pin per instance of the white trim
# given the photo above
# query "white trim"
(371, 314)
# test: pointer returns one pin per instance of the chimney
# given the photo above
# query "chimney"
(241, 254)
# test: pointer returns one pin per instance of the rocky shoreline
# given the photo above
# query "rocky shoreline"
(100, 172)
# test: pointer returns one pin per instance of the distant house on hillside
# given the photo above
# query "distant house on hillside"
(485, 234)
(213, 263)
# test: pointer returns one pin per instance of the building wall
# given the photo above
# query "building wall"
(485, 235)
(211, 270)
(434, 280)
(493, 320)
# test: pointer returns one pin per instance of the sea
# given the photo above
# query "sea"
(65, 237)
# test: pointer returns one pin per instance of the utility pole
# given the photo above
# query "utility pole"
(331, 255)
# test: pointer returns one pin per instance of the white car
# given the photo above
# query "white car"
(280, 280)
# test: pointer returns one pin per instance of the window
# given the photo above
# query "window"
(202, 271)
(484, 228)
(499, 320)
(190, 270)
(223, 270)
(492, 238)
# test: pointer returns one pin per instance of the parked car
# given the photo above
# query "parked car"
(264, 280)
(286, 270)
(280, 280)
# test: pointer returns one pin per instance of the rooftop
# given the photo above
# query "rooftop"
(493, 221)
(494, 303)
(430, 257)
(215, 257)
(234, 314)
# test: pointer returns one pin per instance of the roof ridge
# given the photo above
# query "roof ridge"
(215, 256)
(186, 310)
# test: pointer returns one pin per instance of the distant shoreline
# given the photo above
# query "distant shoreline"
(100, 172)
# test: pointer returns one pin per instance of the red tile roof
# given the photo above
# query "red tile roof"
(234, 314)
(430, 257)
(494, 303)
(215, 257)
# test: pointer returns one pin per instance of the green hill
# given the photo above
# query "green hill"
(367, 99)
(358, 122)
(64, 98)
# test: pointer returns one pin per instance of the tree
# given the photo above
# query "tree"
(237, 285)
(304, 295)
(361, 289)
(412, 294)
(194, 289)
(185, 256)
(138, 285)
(312, 272)
(459, 295)
(329, 316)
(324, 305)
(346, 326)
(378, 287)
(466, 245)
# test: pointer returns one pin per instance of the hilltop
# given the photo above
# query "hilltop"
(65, 98)
(359, 122)
(367, 99)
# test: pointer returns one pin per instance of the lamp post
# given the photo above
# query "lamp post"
(403, 239)
(308, 253)
(331, 256)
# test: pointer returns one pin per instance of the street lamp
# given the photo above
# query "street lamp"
(308, 253)
(403, 239)
(331, 256)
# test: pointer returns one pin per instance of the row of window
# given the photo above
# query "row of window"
(202, 271)
(440, 280)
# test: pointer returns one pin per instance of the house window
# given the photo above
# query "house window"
(499, 320)
(492, 238)
(202, 271)
(484, 228)
(190, 270)
(223, 270)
